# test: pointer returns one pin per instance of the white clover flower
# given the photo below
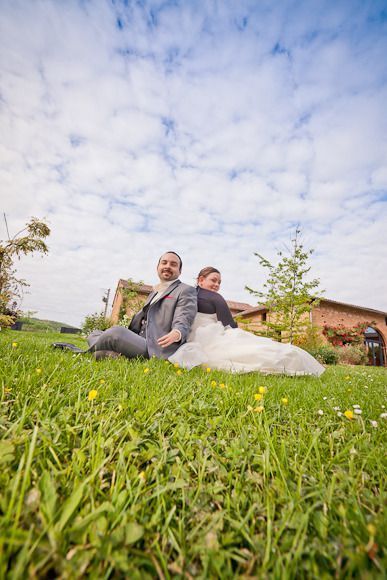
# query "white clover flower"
(374, 424)
(336, 408)
(357, 411)
(356, 406)
(339, 414)
(383, 416)
(325, 398)
(320, 412)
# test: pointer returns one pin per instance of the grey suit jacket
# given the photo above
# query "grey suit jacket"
(176, 308)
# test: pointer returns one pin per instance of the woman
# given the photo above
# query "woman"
(216, 341)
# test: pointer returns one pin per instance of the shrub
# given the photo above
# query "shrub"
(96, 321)
(353, 354)
(324, 354)
(310, 339)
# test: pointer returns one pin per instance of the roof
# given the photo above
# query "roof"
(238, 305)
(246, 309)
(254, 309)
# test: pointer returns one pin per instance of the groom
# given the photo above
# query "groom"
(161, 326)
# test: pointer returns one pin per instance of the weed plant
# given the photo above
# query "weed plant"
(137, 469)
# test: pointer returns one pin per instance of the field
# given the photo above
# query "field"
(138, 469)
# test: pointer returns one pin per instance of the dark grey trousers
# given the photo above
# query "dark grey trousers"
(118, 339)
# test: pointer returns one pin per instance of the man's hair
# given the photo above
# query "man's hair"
(172, 252)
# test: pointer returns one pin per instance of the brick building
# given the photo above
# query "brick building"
(328, 312)
(335, 313)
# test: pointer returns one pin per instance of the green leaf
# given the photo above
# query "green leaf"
(70, 506)
(133, 532)
(6, 451)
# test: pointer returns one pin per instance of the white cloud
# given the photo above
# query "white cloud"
(209, 128)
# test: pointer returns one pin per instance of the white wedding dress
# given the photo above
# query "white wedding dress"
(235, 350)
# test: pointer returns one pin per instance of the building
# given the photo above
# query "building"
(327, 312)
(333, 313)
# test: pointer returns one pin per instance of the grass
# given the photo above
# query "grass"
(165, 475)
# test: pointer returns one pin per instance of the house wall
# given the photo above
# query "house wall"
(340, 314)
(117, 303)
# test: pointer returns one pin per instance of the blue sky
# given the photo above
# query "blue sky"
(211, 128)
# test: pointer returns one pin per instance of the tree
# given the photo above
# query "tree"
(29, 240)
(287, 295)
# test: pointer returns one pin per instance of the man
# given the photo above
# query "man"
(161, 326)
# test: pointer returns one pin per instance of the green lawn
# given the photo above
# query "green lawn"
(164, 474)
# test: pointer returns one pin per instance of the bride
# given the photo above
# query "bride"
(216, 341)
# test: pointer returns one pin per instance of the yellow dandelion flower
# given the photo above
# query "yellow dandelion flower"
(222, 385)
(102, 381)
(349, 414)
(92, 395)
(176, 365)
(213, 383)
(208, 370)
(262, 390)
(258, 396)
(284, 401)
(14, 344)
(38, 371)
(347, 377)
(178, 372)
(142, 476)
(146, 370)
(258, 409)
(7, 390)
(371, 530)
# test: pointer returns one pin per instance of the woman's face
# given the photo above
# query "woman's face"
(210, 282)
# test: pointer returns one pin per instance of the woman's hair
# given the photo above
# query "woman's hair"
(206, 272)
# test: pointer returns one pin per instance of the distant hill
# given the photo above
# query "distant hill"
(38, 324)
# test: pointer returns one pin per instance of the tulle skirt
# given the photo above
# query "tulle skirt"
(238, 351)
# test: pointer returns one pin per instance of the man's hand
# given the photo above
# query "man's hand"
(170, 338)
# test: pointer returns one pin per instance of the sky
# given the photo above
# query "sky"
(211, 128)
